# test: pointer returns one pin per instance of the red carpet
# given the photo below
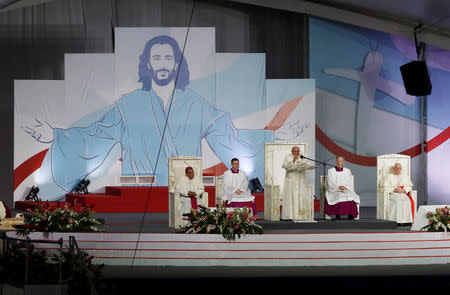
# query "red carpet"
(133, 199)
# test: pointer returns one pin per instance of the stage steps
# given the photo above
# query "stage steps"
(312, 249)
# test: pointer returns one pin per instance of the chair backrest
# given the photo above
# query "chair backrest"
(274, 154)
(177, 166)
(385, 166)
(219, 183)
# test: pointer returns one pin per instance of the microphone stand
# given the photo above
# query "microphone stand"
(324, 165)
(322, 188)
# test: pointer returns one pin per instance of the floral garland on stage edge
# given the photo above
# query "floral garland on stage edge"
(438, 220)
(63, 218)
(229, 224)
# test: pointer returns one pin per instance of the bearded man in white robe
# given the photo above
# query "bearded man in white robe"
(400, 185)
(340, 197)
(235, 191)
(190, 189)
(297, 204)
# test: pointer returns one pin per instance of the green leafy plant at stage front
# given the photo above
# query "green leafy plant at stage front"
(439, 220)
(63, 218)
(229, 223)
(77, 270)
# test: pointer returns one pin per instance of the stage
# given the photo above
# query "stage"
(325, 243)
(157, 222)
(326, 248)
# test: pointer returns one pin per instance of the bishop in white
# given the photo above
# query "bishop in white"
(190, 188)
(297, 204)
(235, 191)
(401, 202)
(340, 197)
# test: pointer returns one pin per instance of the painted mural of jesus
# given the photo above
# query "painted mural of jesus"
(136, 122)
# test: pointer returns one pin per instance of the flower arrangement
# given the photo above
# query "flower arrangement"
(78, 270)
(438, 220)
(229, 224)
(66, 218)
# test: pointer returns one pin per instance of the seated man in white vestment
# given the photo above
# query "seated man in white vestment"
(190, 188)
(296, 205)
(401, 185)
(340, 198)
(235, 191)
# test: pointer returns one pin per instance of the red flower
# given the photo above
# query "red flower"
(237, 226)
(206, 217)
(64, 217)
(29, 210)
(70, 220)
(230, 214)
(430, 221)
(195, 224)
(254, 217)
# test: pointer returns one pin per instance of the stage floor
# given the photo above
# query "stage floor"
(158, 223)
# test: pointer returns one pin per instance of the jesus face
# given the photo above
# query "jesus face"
(162, 64)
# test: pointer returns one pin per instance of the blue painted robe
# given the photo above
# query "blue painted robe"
(136, 123)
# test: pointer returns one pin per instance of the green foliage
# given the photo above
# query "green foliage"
(65, 218)
(439, 220)
(78, 272)
(229, 224)
(12, 265)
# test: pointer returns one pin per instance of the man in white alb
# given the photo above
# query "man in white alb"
(401, 186)
(191, 189)
(340, 197)
(235, 191)
(297, 203)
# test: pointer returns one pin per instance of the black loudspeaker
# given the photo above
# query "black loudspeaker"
(416, 78)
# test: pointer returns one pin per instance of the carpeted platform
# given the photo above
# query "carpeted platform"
(158, 223)
(363, 224)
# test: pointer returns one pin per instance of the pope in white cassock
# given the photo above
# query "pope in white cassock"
(235, 191)
(401, 185)
(190, 188)
(340, 197)
(296, 203)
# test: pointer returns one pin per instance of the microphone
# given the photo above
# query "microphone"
(302, 157)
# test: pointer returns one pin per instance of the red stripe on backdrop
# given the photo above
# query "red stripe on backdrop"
(438, 139)
(372, 161)
(283, 114)
(337, 150)
(215, 170)
(28, 167)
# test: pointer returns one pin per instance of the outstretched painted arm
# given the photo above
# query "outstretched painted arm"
(78, 151)
(227, 142)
